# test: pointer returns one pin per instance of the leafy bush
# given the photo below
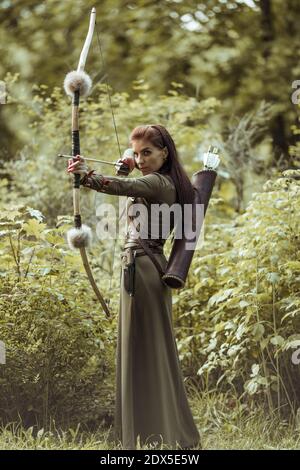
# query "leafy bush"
(59, 344)
(239, 318)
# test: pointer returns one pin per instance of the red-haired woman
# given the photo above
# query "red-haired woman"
(151, 400)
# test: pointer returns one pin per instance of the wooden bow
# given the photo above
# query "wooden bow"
(78, 84)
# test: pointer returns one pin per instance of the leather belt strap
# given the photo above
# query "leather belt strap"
(149, 252)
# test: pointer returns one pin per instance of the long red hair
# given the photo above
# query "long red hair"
(160, 138)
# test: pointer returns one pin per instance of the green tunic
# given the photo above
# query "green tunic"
(151, 402)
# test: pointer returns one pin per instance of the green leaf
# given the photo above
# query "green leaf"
(35, 228)
(220, 296)
(258, 331)
(251, 387)
(36, 214)
(277, 340)
(274, 278)
(292, 344)
(255, 370)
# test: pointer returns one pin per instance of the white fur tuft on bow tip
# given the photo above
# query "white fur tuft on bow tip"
(79, 237)
(77, 80)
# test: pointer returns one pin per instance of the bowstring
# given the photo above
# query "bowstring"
(107, 89)
(116, 133)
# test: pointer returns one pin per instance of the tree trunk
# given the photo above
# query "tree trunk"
(278, 132)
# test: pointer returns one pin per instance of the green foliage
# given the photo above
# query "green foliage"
(239, 318)
(40, 179)
(239, 52)
(59, 344)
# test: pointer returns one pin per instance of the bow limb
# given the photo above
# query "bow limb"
(77, 83)
(88, 40)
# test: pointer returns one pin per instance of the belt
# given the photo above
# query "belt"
(134, 245)
(138, 251)
(128, 256)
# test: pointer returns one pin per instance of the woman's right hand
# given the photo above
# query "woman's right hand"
(126, 164)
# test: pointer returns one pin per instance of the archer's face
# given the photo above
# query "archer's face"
(148, 157)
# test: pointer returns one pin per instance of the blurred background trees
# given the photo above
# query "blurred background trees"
(240, 52)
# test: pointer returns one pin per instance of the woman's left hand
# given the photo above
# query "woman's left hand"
(77, 166)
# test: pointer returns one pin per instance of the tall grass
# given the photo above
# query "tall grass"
(223, 421)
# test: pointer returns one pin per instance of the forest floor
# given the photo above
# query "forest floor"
(223, 422)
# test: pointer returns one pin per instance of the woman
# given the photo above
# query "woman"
(151, 402)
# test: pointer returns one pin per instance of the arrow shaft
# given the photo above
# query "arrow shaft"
(60, 155)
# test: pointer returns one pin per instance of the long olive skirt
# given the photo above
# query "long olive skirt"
(151, 401)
